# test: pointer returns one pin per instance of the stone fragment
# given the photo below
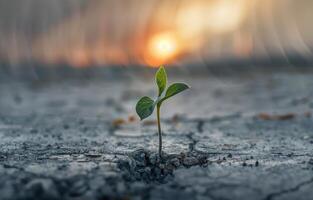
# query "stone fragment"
(190, 161)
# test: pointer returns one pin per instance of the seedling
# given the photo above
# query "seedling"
(145, 106)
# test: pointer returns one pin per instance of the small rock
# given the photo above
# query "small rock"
(229, 155)
(162, 166)
(147, 170)
(141, 170)
(190, 161)
(139, 155)
(154, 159)
(181, 156)
(127, 164)
(203, 160)
(175, 162)
(244, 164)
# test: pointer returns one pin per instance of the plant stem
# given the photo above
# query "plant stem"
(159, 130)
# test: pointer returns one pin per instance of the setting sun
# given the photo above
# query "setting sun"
(161, 48)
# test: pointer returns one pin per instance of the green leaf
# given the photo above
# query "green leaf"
(174, 89)
(161, 79)
(145, 107)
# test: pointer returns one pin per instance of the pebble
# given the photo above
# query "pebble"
(190, 161)
(162, 166)
(147, 170)
(154, 158)
(175, 162)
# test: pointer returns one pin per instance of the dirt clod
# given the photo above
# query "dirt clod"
(266, 116)
(147, 166)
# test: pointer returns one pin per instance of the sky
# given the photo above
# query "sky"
(100, 32)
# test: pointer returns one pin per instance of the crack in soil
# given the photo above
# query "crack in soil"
(293, 189)
(193, 142)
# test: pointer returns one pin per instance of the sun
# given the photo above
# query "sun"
(161, 48)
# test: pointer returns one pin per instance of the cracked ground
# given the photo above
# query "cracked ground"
(242, 136)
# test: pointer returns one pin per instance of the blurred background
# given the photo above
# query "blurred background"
(89, 33)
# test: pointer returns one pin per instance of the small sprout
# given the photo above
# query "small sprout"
(145, 106)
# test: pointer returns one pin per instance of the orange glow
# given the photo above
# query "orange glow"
(227, 15)
(217, 16)
(161, 48)
(79, 58)
(82, 39)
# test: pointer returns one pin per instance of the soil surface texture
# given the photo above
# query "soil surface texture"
(246, 136)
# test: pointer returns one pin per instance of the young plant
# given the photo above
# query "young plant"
(145, 106)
